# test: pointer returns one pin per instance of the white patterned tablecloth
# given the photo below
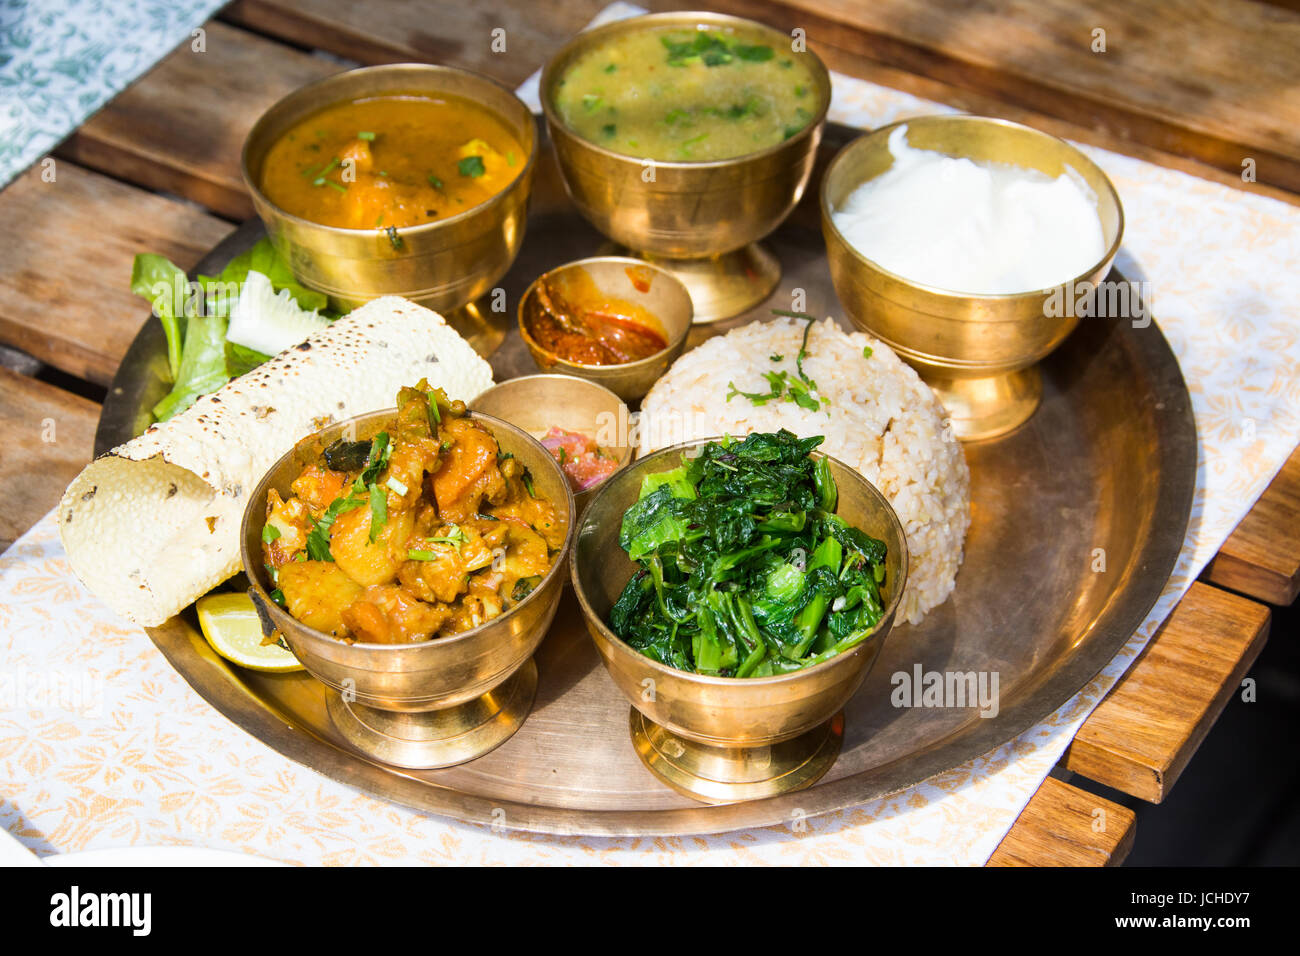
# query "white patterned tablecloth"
(61, 60)
(103, 745)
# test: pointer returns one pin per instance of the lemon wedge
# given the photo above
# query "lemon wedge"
(232, 627)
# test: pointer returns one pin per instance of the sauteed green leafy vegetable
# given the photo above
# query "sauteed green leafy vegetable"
(745, 569)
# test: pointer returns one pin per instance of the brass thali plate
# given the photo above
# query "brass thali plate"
(1108, 462)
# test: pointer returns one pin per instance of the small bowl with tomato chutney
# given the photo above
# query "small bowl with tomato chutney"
(612, 320)
(586, 427)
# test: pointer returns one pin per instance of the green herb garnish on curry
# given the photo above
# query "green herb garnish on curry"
(745, 569)
(688, 95)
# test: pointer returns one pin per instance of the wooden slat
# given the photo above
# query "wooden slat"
(1261, 558)
(1217, 80)
(65, 263)
(432, 31)
(981, 104)
(1142, 735)
(181, 127)
(1065, 826)
(391, 30)
(49, 436)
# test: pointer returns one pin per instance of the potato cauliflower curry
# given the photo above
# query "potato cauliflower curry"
(424, 531)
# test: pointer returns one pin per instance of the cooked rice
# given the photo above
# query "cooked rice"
(881, 419)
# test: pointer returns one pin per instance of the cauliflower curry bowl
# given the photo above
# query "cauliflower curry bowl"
(409, 557)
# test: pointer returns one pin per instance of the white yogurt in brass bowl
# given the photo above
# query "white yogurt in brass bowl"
(973, 226)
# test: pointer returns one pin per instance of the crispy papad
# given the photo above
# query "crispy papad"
(154, 524)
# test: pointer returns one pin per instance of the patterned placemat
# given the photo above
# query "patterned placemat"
(61, 61)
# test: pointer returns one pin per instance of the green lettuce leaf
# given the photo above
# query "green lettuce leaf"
(166, 287)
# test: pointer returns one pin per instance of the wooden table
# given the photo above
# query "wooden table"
(1191, 85)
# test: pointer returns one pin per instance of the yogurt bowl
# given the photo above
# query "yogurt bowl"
(978, 351)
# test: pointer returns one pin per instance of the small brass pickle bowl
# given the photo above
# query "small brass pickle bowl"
(443, 265)
(440, 702)
(699, 220)
(663, 296)
(536, 403)
(978, 352)
(725, 739)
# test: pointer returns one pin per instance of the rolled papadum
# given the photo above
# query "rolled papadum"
(153, 524)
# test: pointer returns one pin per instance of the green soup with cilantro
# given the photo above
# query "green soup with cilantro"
(681, 95)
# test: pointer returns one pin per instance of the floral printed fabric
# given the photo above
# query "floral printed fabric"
(60, 60)
(102, 743)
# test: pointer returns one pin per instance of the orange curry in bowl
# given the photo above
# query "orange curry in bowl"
(426, 530)
(391, 162)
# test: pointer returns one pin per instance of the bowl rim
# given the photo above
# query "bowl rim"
(583, 383)
(674, 342)
(684, 19)
(882, 132)
(310, 633)
(623, 648)
(428, 69)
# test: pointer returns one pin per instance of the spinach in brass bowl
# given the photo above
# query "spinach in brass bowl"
(738, 592)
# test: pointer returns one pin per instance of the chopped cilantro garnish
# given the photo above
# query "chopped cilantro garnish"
(434, 181)
(367, 136)
(866, 351)
(754, 54)
(378, 511)
(471, 166)
(381, 449)
(796, 389)
(318, 541)
(527, 479)
(393, 238)
(456, 537)
(269, 533)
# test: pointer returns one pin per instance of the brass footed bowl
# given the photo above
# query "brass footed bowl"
(442, 265)
(690, 210)
(722, 739)
(537, 402)
(664, 296)
(439, 702)
(978, 352)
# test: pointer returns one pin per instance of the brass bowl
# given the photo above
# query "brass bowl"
(721, 739)
(978, 352)
(442, 265)
(666, 299)
(535, 403)
(709, 213)
(440, 702)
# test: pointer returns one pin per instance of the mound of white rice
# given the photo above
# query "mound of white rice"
(881, 419)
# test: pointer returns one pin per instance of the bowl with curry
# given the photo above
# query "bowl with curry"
(411, 560)
(686, 137)
(405, 179)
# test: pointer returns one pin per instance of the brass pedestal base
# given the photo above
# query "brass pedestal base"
(479, 325)
(438, 738)
(723, 286)
(731, 774)
(981, 408)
